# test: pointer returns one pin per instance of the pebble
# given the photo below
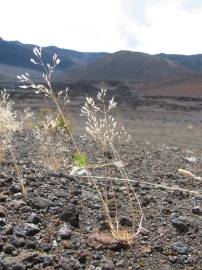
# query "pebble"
(34, 218)
(125, 221)
(65, 232)
(181, 222)
(180, 247)
(2, 222)
(197, 210)
(70, 264)
(41, 203)
(70, 214)
(18, 241)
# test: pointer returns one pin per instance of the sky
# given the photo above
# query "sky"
(151, 26)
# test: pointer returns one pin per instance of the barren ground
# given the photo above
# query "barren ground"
(166, 136)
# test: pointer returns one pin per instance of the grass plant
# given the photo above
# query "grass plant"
(9, 124)
(102, 127)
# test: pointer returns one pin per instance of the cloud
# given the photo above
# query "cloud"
(191, 5)
(93, 25)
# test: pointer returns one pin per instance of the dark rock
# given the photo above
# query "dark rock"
(1, 244)
(182, 223)
(45, 246)
(179, 247)
(82, 255)
(26, 229)
(34, 218)
(46, 260)
(125, 221)
(31, 229)
(30, 244)
(158, 248)
(2, 222)
(70, 214)
(41, 203)
(70, 264)
(147, 199)
(197, 210)
(18, 241)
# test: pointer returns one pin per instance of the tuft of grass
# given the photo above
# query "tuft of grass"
(81, 159)
(9, 124)
(106, 131)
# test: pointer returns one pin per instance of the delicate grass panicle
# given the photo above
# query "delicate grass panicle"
(8, 119)
(102, 126)
(106, 131)
(100, 123)
(54, 131)
(10, 122)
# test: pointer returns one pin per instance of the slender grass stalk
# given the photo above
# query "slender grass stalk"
(104, 131)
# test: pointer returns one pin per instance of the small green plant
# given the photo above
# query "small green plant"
(81, 159)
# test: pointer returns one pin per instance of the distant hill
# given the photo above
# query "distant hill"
(15, 58)
(192, 62)
(126, 65)
(86, 66)
(181, 87)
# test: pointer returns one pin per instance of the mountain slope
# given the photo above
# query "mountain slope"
(189, 86)
(192, 62)
(14, 53)
(75, 65)
(126, 65)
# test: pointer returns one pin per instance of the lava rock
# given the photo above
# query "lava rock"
(31, 229)
(41, 203)
(2, 222)
(34, 218)
(70, 214)
(70, 264)
(45, 246)
(125, 221)
(197, 210)
(147, 199)
(182, 223)
(65, 232)
(26, 229)
(18, 241)
(179, 247)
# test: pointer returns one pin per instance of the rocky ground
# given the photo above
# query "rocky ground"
(50, 228)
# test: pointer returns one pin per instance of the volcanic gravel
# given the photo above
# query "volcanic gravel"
(50, 228)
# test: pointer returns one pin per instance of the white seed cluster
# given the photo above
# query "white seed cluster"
(46, 88)
(8, 119)
(100, 123)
